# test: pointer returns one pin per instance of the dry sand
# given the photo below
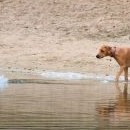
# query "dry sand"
(61, 35)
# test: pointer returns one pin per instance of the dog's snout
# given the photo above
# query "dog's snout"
(97, 56)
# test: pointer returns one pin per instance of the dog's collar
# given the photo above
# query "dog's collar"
(113, 52)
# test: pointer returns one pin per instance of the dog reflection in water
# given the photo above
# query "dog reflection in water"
(117, 111)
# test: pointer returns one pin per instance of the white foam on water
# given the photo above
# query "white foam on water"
(63, 75)
(3, 82)
(53, 75)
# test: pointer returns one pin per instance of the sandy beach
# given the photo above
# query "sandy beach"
(61, 35)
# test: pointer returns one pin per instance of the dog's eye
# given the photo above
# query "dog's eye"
(102, 50)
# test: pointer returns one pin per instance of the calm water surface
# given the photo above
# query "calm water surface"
(64, 106)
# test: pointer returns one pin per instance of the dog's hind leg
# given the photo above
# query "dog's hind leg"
(126, 73)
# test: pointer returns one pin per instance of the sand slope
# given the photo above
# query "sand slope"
(61, 34)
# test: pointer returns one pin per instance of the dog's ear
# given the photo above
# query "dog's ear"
(108, 48)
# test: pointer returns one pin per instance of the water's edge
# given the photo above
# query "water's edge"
(55, 77)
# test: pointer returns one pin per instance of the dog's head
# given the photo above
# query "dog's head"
(104, 51)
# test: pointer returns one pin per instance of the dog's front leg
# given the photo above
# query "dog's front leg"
(126, 73)
(119, 73)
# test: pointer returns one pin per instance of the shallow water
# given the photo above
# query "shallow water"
(64, 105)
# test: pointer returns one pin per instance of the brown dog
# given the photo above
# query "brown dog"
(120, 54)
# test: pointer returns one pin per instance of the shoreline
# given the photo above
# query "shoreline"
(48, 75)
